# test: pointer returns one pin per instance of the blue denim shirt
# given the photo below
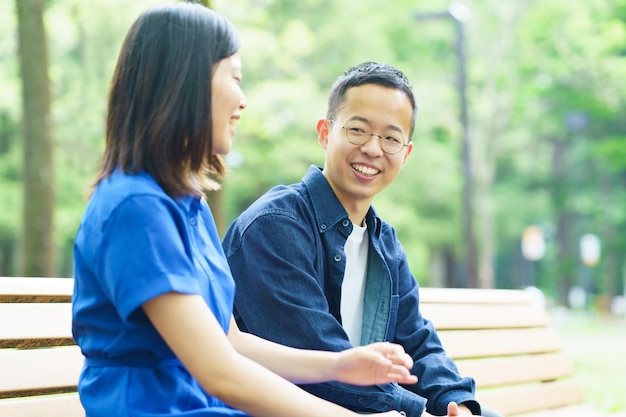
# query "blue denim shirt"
(286, 252)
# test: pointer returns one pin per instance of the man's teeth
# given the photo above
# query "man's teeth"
(365, 170)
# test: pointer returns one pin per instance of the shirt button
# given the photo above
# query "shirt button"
(337, 258)
(323, 226)
(193, 221)
(346, 223)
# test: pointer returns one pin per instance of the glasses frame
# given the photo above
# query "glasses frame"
(370, 134)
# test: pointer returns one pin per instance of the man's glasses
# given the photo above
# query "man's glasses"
(391, 143)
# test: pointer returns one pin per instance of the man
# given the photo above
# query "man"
(316, 268)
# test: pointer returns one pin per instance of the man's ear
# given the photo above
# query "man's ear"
(409, 148)
(323, 127)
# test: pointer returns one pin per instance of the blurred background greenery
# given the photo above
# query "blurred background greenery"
(544, 87)
(596, 343)
(545, 99)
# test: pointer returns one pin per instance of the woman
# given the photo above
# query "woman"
(153, 292)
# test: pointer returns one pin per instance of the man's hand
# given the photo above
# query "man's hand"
(457, 410)
(374, 364)
(453, 410)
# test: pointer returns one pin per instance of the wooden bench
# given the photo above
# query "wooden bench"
(39, 362)
(504, 340)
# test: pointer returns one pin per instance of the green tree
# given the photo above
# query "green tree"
(571, 65)
(215, 198)
(37, 250)
(531, 68)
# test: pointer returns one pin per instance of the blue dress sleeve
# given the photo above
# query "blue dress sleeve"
(145, 253)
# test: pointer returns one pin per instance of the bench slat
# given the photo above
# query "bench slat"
(490, 372)
(477, 296)
(481, 316)
(578, 410)
(29, 325)
(500, 337)
(31, 371)
(50, 406)
(35, 290)
(482, 343)
(516, 399)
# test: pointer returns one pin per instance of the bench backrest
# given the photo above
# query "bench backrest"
(39, 362)
(504, 340)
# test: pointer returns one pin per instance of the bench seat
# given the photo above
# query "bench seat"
(39, 361)
(502, 338)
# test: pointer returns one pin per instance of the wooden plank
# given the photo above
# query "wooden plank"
(517, 399)
(478, 296)
(485, 316)
(510, 332)
(489, 372)
(31, 371)
(66, 405)
(35, 290)
(501, 342)
(579, 410)
(30, 325)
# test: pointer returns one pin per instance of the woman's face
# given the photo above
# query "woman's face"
(227, 102)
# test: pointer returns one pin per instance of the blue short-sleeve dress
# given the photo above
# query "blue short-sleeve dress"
(135, 243)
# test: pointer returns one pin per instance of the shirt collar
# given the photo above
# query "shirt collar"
(190, 203)
(327, 207)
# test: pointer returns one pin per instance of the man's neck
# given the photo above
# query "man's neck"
(357, 210)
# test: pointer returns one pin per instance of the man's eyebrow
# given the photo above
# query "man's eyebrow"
(366, 121)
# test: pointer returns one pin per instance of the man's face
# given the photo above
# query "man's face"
(358, 172)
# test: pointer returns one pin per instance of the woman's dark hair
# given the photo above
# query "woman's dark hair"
(370, 73)
(159, 111)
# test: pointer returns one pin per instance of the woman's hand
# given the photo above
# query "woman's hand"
(377, 363)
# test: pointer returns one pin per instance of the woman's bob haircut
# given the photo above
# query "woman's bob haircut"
(159, 110)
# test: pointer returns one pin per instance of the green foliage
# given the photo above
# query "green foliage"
(83, 40)
(613, 152)
(543, 77)
(11, 195)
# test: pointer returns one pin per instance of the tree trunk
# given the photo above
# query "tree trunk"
(436, 269)
(215, 199)
(491, 112)
(37, 250)
(560, 194)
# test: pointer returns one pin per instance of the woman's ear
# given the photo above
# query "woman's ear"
(323, 127)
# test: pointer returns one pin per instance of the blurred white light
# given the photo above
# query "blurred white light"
(590, 249)
(458, 11)
(577, 297)
(533, 243)
(234, 159)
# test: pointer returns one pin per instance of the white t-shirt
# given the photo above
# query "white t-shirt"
(353, 286)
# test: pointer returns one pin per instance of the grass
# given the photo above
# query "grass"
(597, 345)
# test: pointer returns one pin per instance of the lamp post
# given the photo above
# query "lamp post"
(458, 13)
